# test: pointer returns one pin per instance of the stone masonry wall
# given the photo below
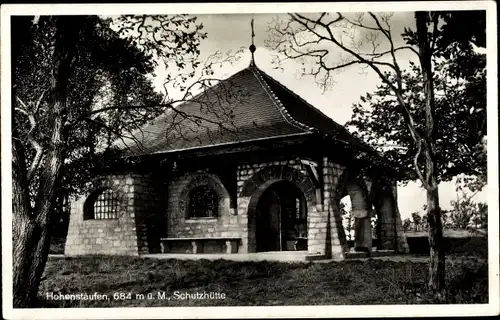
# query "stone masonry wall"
(125, 235)
(226, 224)
(391, 233)
(331, 215)
(149, 200)
(402, 244)
(386, 221)
(106, 236)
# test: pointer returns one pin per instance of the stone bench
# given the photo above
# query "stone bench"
(231, 243)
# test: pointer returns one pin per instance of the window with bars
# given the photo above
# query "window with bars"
(101, 205)
(204, 202)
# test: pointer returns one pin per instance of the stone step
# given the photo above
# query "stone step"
(354, 254)
(372, 254)
(315, 257)
(382, 253)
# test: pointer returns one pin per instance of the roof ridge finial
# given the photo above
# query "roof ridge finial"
(252, 46)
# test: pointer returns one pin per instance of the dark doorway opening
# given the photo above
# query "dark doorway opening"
(281, 220)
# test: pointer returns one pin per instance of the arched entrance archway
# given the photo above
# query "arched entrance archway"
(281, 219)
(352, 193)
(254, 188)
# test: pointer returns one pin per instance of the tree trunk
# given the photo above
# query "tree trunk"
(30, 252)
(32, 227)
(437, 258)
(30, 240)
(22, 226)
(32, 233)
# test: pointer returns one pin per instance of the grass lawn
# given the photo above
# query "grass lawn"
(257, 283)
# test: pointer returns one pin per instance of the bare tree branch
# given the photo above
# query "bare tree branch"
(397, 90)
(358, 23)
(36, 145)
(38, 103)
(381, 54)
(322, 31)
(118, 134)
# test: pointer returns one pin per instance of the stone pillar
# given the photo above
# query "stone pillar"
(318, 219)
(362, 217)
(326, 233)
(391, 235)
(317, 231)
(386, 220)
(362, 230)
(362, 235)
(338, 239)
(248, 242)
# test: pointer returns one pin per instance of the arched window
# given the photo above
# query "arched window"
(102, 204)
(203, 202)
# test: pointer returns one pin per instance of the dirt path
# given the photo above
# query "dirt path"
(249, 257)
(403, 258)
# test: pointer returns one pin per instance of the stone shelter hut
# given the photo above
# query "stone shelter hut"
(245, 166)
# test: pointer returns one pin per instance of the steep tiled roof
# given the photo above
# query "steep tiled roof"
(308, 116)
(248, 106)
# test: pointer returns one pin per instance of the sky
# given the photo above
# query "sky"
(229, 32)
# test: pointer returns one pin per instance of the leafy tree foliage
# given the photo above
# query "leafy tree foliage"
(480, 218)
(416, 220)
(372, 44)
(460, 114)
(407, 224)
(465, 213)
(112, 68)
(79, 83)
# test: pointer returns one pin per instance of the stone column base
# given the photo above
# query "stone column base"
(363, 234)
